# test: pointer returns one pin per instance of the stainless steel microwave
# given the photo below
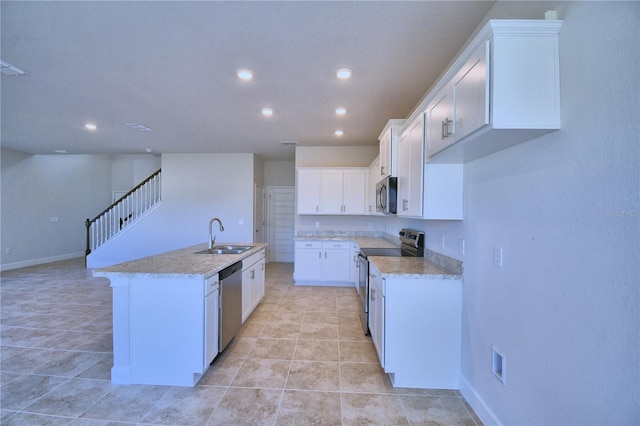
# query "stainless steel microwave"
(387, 195)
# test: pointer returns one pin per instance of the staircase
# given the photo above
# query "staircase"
(123, 212)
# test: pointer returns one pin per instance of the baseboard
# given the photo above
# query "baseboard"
(483, 411)
(41, 261)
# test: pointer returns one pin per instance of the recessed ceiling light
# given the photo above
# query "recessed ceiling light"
(289, 143)
(267, 112)
(341, 111)
(90, 126)
(339, 133)
(245, 74)
(60, 151)
(344, 72)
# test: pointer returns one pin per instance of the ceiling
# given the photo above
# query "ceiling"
(171, 66)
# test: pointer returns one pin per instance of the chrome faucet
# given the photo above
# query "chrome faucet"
(212, 238)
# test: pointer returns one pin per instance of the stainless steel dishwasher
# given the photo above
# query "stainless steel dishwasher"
(230, 303)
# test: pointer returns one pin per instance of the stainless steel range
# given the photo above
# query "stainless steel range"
(412, 245)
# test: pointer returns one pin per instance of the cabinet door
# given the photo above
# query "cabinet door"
(440, 124)
(377, 316)
(331, 192)
(471, 94)
(410, 169)
(384, 169)
(246, 292)
(308, 265)
(372, 175)
(354, 192)
(336, 265)
(211, 327)
(308, 191)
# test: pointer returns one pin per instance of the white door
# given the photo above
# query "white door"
(281, 208)
(258, 214)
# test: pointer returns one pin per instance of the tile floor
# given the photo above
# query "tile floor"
(300, 359)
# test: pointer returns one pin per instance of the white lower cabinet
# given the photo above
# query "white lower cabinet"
(415, 326)
(322, 262)
(211, 319)
(252, 283)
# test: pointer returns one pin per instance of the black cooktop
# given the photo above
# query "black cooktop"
(382, 252)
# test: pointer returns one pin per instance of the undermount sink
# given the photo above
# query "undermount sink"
(225, 249)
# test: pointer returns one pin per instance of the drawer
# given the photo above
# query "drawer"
(308, 245)
(211, 284)
(251, 260)
(336, 245)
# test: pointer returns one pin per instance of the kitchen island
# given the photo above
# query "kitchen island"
(165, 313)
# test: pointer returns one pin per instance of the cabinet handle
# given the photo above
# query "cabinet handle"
(253, 273)
(325, 254)
(382, 170)
(373, 294)
(442, 136)
(446, 123)
(405, 204)
(316, 207)
(320, 255)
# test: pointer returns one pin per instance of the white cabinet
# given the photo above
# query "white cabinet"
(211, 319)
(372, 180)
(308, 191)
(415, 326)
(332, 191)
(323, 262)
(410, 169)
(503, 90)
(388, 150)
(376, 311)
(462, 106)
(252, 283)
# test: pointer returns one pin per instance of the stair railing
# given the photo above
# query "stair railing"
(123, 211)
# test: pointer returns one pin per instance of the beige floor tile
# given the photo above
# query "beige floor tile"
(436, 410)
(185, 406)
(314, 375)
(356, 377)
(309, 408)
(273, 349)
(281, 330)
(358, 352)
(26, 389)
(353, 331)
(72, 398)
(126, 403)
(247, 407)
(222, 372)
(240, 347)
(262, 373)
(317, 350)
(319, 331)
(372, 409)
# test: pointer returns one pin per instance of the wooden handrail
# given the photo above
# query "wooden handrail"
(89, 222)
(141, 184)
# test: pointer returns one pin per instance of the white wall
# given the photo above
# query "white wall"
(336, 156)
(279, 173)
(129, 170)
(36, 188)
(195, 188)
(565, 207)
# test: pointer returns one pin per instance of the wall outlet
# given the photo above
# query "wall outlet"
(317, 224)
(498, 364)
(53, 219)
(7, 250)
(497, 256)
(460, 245)
(441, 241)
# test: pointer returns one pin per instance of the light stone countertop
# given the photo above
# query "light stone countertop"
(181, 263)
(411, 267)
(398, 267)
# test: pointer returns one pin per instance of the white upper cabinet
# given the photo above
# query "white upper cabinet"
(332, 191)
(308, 191)
(410, 168)
(504, 89)
(388, 150)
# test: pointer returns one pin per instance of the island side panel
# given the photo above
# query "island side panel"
(167, 330)
(121, 370)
